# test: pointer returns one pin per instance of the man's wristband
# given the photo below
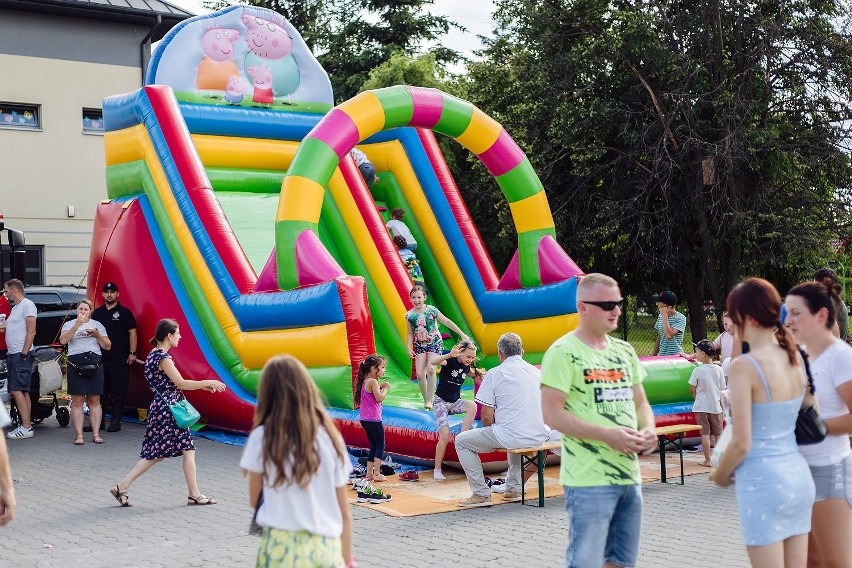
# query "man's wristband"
(133, 353)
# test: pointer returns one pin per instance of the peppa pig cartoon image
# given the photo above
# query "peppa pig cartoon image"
(234, 92)
(262, 76)
(269, 44)
(217, 66)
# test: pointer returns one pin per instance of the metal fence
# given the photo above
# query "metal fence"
(636, 326)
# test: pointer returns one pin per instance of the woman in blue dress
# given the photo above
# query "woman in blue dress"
(774, 488)
(163, 438)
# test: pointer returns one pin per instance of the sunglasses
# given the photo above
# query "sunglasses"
(605, 306)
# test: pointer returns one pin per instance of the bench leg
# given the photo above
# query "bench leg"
(680, 453)
(662, 442)
(540, 460)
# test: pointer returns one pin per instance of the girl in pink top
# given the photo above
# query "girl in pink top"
(370, 394)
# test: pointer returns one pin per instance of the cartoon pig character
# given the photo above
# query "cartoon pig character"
(234, 92)
(217, 66)
(262, 76)
(269, 44)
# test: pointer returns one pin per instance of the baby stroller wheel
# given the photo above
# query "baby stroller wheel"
(63, 416)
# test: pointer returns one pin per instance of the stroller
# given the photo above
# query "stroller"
(46, 380)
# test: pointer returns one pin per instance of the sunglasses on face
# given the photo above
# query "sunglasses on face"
(605, 306)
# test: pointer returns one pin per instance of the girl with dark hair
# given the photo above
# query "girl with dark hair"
(767, 385)
(163, 438)
(369, 393)
(297, 463)
(424, 340)
(811, 309)
(706, 385)
(841, 313)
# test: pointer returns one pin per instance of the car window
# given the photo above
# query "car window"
(46, 301)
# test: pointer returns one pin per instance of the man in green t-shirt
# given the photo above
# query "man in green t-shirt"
(591, 391)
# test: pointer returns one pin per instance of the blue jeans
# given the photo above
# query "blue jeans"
(604, 524)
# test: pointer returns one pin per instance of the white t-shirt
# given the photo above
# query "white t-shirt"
(288, 507)
(513, 390)
(359, 157)
(725, 342)
(16, 325)
(709, 382)
(397, 227)
(831, 369)
(80, 342)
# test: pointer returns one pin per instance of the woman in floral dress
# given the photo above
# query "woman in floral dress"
(163, 438)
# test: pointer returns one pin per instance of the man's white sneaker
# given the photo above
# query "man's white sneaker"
(20, 432)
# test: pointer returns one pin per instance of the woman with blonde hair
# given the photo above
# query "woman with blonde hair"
(85, 338)
(811, 316)
(298, 471)
(775, 491)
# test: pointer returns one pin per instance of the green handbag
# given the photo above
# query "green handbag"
(183, 412)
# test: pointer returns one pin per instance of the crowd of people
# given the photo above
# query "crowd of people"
(795, 501)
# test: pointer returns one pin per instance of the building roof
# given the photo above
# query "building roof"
(138, 12)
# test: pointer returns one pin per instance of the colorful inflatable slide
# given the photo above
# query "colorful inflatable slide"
(235, 207)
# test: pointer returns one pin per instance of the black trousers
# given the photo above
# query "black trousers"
(376, 436)
(116, 379)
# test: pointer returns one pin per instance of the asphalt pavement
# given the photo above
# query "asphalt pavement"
(66, 517)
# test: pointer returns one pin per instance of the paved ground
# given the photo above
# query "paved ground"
(66, 517)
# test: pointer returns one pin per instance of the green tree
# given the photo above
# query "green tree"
(682, 145)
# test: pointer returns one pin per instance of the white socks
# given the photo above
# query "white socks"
(438, 475)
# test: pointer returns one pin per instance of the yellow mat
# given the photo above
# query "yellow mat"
(428, 496)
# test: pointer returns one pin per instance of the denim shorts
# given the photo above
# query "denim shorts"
(604, 524)
(20, 372)
(833, 481)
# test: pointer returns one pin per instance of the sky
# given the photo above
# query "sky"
(475, 15)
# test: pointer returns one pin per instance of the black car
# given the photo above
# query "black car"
(55, 305)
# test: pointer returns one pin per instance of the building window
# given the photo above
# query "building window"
(93, 121)
(21, 116)
(35, 263)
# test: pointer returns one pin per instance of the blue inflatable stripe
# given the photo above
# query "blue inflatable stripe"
(674, 408)
(183, 299)
(248, 122)
(120, 111)
(304, 307)
(409, 418)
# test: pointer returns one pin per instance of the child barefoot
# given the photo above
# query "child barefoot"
(370, 394)
(455, 366)
(706, 385)
(424, 339)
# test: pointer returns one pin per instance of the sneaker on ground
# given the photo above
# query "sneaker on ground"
(20, 432)
(511, 496)
(409, 476)
(501, 488)
(377, 495)
(360, 484)
(388, 461)
(476, 501)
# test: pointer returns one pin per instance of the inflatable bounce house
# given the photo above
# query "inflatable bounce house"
(236, 208)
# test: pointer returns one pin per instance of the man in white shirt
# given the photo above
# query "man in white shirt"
(511, 417)
(397, 227)
(20, 328)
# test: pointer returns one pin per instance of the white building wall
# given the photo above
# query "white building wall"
(44, 172)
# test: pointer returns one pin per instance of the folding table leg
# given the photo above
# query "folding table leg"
(540, 457)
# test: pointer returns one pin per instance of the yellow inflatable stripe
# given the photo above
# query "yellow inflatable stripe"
(226, 152)
(366, 112)
(315, 346)
(121, 146)
(368, 251)
(532, 213)
(481, 133)
(302, 200)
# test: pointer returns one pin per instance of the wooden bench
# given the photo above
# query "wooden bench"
(663, 434)
(533, 456)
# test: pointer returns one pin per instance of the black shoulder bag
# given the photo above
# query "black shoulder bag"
(810, 427)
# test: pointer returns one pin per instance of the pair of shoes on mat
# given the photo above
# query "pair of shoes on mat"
(359, 484)
(409, 476)
(388, 461)
(476, 501)
(373, 495)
